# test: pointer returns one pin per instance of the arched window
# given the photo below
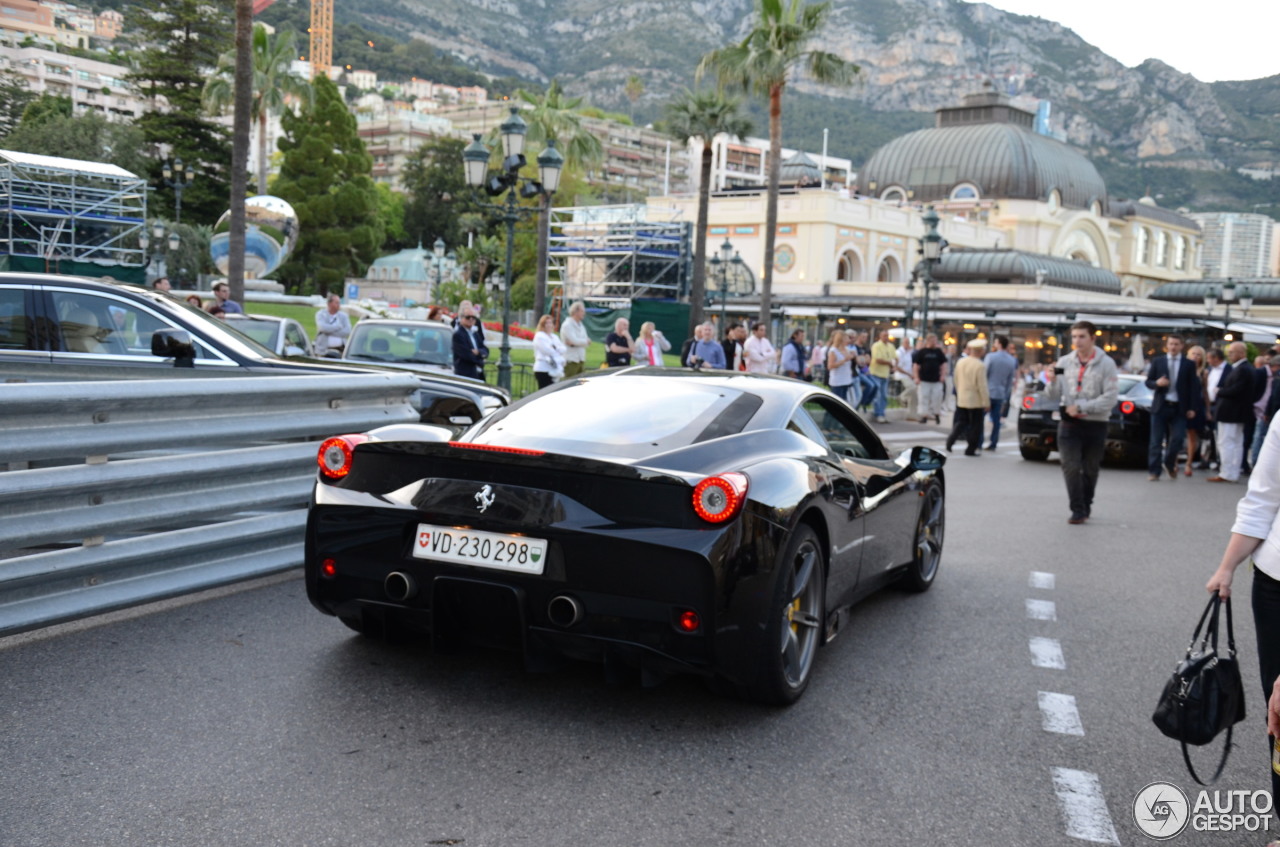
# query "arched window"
(893, 195)
(1144, 246)
(965, 191)
(889, 270)
(1180, 253)
(1162, 248)
(849, 268)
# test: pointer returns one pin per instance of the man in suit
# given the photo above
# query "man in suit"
(1234, 406)
(1176, 401)
(469, 349)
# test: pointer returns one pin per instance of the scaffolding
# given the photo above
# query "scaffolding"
(614, 253)
(69, 216)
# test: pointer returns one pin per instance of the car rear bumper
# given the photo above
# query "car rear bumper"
(630, 585)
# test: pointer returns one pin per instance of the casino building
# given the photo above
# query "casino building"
(1032, 240)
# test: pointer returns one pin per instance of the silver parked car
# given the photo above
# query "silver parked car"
(284, 336)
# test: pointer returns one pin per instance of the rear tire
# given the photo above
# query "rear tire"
(1034, 454)
(793, 630)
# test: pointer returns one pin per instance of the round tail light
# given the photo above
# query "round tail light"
(1029, 402)
(1126, 407)
(334, 456)
(719, 498)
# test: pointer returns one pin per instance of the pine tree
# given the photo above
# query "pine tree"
(325, 176)
(183, 39)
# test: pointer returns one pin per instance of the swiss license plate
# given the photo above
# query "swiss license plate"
(480, 549)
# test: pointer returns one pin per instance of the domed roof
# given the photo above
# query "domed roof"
(1001, 160)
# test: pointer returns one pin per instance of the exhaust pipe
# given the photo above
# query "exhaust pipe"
(564, 611)
(400, 586)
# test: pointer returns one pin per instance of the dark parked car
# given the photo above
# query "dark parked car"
(1128, 431)
(672, 521)
(61, 327)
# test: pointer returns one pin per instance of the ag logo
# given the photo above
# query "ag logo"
(485, 497)
(1161, 810)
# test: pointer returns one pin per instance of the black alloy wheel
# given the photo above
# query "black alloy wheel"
(930, 527)
(794, 631)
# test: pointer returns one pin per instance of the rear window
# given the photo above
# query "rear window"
(621, 417)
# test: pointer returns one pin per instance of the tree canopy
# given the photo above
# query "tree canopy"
(325, 176)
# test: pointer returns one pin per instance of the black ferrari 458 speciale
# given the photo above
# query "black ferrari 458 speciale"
(671, 521)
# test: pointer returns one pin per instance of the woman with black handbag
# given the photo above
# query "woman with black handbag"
(1256, 534)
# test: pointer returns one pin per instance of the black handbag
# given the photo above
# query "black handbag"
(1205, 695)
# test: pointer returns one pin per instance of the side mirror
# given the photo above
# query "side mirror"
(926, 459)
(174, 344)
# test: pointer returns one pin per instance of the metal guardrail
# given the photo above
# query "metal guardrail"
(158, 488)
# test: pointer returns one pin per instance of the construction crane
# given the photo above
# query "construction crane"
(321, 37)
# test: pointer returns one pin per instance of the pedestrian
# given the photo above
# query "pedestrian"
(1263, 409)
(1085, 386)
(793, 356)
(618, 345)
(1256, 535)
(1175, 402)
(194, 300)
(469, 349)
(908, 397)
(1234, 407)
(883, 359)
(576, 341)
(222, 292)
(839, 364)
(1261, 378)
(333, 327)
(1196, 425)
(1216, 369)
(706, 352)
(758, 351)
(818, 360)
(162, 285)
(734, 337)
(650, 345)
(548, 353)
(1002, 369)
(465, 307)
(929, 371)
(972, 398)
(948, 382)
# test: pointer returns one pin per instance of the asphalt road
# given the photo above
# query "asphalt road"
(247, 718)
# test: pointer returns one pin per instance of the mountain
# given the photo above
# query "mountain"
(1146, 127)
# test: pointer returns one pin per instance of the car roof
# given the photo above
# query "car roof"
(401, 322)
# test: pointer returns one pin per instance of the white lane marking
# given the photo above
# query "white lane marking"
(1042, 610)
(1047, 653)
(1040, 579)
(1058, 713)
(1084, 808)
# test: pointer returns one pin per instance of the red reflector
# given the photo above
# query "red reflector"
(1126, 407)
(334, 456)
(718, 498)
(1029, 402)
(497, 448)
(688, 621)
(328, 569)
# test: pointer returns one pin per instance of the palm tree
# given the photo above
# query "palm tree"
(703, 115)
(273, 85)
(633, 90)
(761, 63)
(555, 117)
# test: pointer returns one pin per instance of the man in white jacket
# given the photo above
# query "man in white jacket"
(332, 328)
(575, 338)
(760, 354)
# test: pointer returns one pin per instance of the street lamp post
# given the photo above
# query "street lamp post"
(931, 247)
(437, 250)
(720, 265)
(1228, 295)
(508, 181)
(177, 177)
(158, 233)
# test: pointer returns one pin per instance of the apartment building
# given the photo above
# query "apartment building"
(91, 85)
(1236, 244)
(391, 138)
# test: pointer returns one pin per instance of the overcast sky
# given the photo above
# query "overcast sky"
(1212, 41)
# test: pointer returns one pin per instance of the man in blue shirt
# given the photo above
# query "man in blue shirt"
(706, 352)
(1002, 368)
